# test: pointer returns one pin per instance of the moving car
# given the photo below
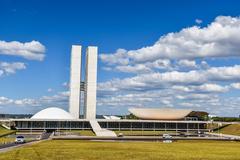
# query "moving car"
(167, 136)
(20, 139)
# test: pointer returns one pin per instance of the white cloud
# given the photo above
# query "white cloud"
(187, 63)
(224, 73)
(187, 104)
(198, 21)
(49, 90)
(204, 65)
(160, 80)
(26, 102)
(11, 68)
(119, 57)
(33, 50)
(211, 88)
(197, 97)
(163, 64)
(195, 89)
(58, 100)
(235, 85)
(1, 72)
(107, 68)
(65, 84)
(137, 99)
(160, 64)
(204, 88)
(55, 99)
(221, 38)
(4, 101)
(138, 68)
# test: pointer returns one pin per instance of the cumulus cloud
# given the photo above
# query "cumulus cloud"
(138, 68)
(11, 68)
(5, 101)
(160, 64)
(187, 63)
(221, 38)
(33, 50)
(160, 80)
(137, 99)
(210, 88)
(204, 88)
(235, 85)
(60, 99)
(120, 57)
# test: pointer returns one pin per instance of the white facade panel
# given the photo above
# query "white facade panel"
(75, 78)
(91, 83)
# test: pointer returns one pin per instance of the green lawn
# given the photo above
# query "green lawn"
(4, 131)
(233, 129)
(90, 150)
(4, 140)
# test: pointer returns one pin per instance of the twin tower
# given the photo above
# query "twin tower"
(88, 86)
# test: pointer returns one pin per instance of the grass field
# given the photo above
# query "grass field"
(233, 129)
(90, 150)
(4, 140)
(4, 131)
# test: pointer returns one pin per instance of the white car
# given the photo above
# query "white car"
(167, 136)
(20, 139)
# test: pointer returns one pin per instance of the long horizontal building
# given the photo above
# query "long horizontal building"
(84, 124)
(56, 119)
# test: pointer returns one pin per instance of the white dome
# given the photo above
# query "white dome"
(52, 113)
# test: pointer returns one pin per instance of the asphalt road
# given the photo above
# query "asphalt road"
(10, 146)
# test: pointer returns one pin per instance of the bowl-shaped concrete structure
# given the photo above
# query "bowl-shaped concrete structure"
(52, 113)
(160, 114)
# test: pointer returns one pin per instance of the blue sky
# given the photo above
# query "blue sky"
(145, 72)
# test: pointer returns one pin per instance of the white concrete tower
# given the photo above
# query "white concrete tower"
(75, 78)
(90, 95)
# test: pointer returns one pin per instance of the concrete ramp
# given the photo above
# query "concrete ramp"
(5, 126)
(100, 131)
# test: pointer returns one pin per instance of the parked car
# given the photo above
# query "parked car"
(20, 139)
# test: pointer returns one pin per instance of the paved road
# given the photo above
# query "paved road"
(10, 146)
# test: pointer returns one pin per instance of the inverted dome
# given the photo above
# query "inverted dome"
(160, 114)
(52, 113)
